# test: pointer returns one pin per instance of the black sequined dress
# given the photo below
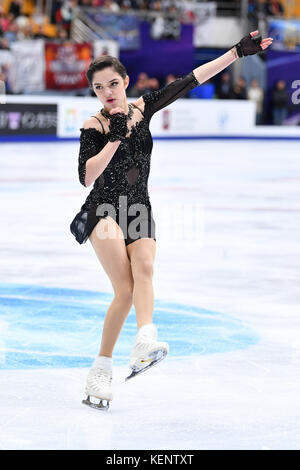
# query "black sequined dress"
(121, 191)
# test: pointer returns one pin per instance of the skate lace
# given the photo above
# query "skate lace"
(101, 375)
(143, 342)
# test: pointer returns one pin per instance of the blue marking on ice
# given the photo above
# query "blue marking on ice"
(43, 327)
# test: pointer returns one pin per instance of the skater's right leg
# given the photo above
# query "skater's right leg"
(112, 254)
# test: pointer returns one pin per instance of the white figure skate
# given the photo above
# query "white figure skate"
(98, 385)
(147, 351)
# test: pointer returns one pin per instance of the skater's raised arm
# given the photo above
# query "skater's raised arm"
(212, 68)
(159, 99)
(249, 45)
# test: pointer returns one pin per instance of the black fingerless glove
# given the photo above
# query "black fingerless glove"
(117, 126)
(248, 46)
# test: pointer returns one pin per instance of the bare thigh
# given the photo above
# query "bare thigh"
(142, 255)
(113, 256)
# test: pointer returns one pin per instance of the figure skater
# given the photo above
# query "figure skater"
(114, 156)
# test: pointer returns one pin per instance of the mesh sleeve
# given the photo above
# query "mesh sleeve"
(159, 99)
(91, 142)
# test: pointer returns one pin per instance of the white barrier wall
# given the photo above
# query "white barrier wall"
(183, 118)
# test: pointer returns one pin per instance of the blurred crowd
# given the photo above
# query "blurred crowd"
(19, 19)
(259, 11)
(279, 99)
(266, 7)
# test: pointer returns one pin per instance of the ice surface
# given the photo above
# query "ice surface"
(240, 260)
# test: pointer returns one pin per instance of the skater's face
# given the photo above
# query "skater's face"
(110, 87)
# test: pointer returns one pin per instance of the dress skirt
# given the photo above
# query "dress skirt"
(133, 227)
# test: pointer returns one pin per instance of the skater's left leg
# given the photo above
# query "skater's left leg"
(146, 350)
(141, 253)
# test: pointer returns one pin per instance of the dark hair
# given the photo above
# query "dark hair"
(103, 62)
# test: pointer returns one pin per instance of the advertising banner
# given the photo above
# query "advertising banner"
(165, 27)
(285, 34)
(202, 15)
(28, 119)
(73, 112)
(185, 117)
(108, 47)
(26, 72)
(66, 65)
(125, 29)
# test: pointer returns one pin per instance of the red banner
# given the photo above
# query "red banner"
(66, 65)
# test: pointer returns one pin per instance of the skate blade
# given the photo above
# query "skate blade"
(156, 357)
(97, 406)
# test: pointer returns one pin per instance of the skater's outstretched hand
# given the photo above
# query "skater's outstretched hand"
(252, 44)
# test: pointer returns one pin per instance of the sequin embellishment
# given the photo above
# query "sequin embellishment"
(127, 173)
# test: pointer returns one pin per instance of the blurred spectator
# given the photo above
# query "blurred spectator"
(260, 7)
(140, 87)
(155, 5)
(279, 102)
(274, 8)
(153, 84)
(55, 6)
(169, 79)
(187, 15)
(256, 94)
(11, 34)
(124, 4)
(136, 91)
(2, 79)
(142, 4)
(4, 44)
(62, 35)
(239, 90)
(224, 88)
(105, 51)
(64, 14)
(22, 21)
(25, 32)
(4, 21)
(111, 5)
(40, 33)
(15, 7)
(2, 84)
(6, 88)
(257, 13)
(143, 76)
